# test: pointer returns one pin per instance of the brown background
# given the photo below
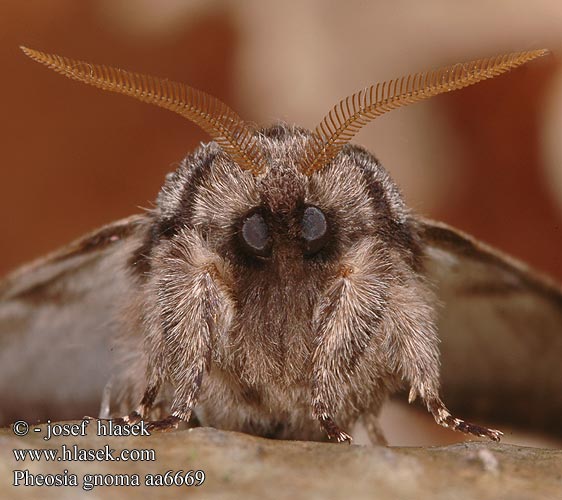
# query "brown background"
(483, 159)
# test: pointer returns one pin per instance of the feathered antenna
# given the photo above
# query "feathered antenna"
(348, 116)
(211, 114)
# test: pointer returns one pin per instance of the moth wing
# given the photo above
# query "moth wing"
(57, 322)
(500, 325)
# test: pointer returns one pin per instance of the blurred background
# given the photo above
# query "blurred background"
(486, 159)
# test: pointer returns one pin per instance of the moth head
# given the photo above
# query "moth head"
(282, 218)
(280, 192)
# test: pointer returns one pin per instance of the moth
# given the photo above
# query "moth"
(280, 287)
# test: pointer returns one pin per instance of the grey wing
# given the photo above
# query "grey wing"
(500, 325)
(57, 321)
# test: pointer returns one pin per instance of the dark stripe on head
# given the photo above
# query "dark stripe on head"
(397, 229)
(190, 174)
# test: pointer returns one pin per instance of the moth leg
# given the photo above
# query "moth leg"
(343, 322)
(415, 355)
(194, 309)
(172, 422)
(328, 360)
(332, 430)
(167, 424)
(374, 430)
(443, 417)
(105, 399)
(422, 373)
(144, 407)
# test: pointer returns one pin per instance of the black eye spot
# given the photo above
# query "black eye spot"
(314, 230)
(255, 235)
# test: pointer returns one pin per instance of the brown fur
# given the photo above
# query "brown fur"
(278, 346)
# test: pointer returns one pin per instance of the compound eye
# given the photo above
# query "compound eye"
(314, 230)
(255, 235)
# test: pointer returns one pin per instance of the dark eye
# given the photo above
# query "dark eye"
(314, 230)
(255, 235)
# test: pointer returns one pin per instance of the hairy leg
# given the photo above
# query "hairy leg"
(192, 309)
(443, 417)
(415, 355)
(344, 320)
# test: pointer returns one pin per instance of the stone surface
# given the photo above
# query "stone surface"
(242, 466)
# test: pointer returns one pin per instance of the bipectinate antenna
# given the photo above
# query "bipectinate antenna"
(212, 115)
(347, 117)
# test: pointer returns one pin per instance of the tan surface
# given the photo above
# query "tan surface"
(242, 466)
